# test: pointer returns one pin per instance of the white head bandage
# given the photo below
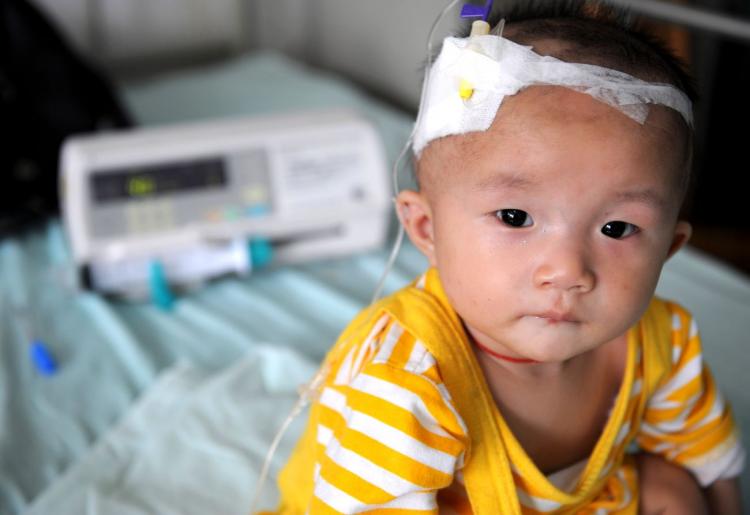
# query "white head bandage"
(472, 76)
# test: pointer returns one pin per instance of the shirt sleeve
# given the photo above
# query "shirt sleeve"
(389, 438)
(687, 420)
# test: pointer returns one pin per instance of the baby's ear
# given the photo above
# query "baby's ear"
(416, 216)
(682, 232)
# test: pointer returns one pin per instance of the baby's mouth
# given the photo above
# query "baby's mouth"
(556, 316)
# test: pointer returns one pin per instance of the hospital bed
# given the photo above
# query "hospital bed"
(173, 412)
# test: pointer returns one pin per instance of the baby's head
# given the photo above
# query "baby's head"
(550, 228)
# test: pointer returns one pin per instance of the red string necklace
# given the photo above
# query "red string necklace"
(503, 356)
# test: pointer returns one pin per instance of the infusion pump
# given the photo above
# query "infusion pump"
(190, 202)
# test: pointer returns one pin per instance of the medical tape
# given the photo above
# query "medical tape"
(472, 76)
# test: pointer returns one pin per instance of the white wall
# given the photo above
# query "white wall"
(117, 31)
(379, 43)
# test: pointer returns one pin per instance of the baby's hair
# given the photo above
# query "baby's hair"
(602, 34)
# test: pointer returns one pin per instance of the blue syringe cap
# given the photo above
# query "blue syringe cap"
(42, 358)
(477, 11)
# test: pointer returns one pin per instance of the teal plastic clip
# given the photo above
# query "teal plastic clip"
(161, 294)
(260, 252)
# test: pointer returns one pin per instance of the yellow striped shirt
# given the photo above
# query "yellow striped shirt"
(390, 440)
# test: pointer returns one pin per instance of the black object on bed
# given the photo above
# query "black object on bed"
(47, 92)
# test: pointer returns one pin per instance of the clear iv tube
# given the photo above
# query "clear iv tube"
(302, 401)
(310, 391)
(405, 149)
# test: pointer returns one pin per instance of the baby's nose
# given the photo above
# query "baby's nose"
(565, 267)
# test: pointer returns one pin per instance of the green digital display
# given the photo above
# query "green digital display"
(141, 185)
(155, 180)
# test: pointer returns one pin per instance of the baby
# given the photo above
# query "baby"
(531, 369)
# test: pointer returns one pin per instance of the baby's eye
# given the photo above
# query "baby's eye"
(619, 229)
(514, 217)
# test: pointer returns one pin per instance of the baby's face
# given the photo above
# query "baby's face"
(550, 229)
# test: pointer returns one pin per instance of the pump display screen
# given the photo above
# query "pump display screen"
(154, 180)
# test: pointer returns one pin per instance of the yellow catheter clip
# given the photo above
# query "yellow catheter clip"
(478, 28)
(465, 89)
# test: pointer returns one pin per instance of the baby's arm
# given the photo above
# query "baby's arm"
(392, 439)
(724, 497)
(670, 489)
(688, 422)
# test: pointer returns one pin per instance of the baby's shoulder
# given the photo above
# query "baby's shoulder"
(682, 348)
(386, 344)
(684, 329)
(678, 312)
(397, 348)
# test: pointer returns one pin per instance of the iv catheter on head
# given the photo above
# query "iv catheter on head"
(478, 27)
(408, 143)
(310, 391)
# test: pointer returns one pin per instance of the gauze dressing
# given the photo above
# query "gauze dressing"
(472, 76)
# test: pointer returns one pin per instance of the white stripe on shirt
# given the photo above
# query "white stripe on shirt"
(445, 394)
(336, 498)
(402, 443)
(369, 341)
(676, 322)
(687, 373)
(424, 501)
(371, 472)
(333, 399)
(415, 362)
(389, 342)
(537, 503)
(401, 397)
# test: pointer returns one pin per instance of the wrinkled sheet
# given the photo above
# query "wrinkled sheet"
(191, 445)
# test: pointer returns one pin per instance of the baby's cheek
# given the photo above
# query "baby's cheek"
(469, 290)
(632, 288)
